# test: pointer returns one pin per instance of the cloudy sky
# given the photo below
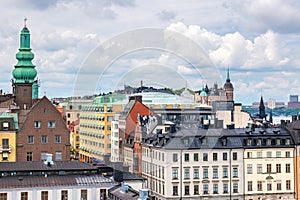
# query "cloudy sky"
(95, 46)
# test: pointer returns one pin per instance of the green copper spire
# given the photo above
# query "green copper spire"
(228, 78)
(24, 71)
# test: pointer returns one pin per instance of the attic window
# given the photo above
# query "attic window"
(5, 125)
(249, 142)
(51, 124)
(287, 141)
(258, 142)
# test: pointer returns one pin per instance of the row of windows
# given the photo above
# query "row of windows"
(37, 124)
(58, 156)
(93, 143)
(44, 139)
(269, 185)
(205, 174)
(45, 195)
(269, 154)
(157, 155)
(205, 156)
(269, 141)
(206, 190)
(259, 168)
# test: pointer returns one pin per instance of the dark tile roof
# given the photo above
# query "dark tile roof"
(129, 195)
(218, 138)
(41, 166)
(128, 176)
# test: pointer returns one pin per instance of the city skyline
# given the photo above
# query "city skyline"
(260, 48)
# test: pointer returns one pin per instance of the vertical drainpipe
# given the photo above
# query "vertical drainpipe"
(181, 174)
(230, 174)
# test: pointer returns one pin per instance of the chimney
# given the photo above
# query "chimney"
(124, 187)
(143, 194)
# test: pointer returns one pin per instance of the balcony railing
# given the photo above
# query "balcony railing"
(5, 148)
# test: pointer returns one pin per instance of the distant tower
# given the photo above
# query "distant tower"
(24, 73)
(262, 111)
(228, 88)
(203, 96)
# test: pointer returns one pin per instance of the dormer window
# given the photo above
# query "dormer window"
(249, 142)
(287, 141)
(258, 142)
(269, 141)
(277, 141)
(5, 125)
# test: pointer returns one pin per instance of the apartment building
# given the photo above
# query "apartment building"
(194, 164)
(95, 127)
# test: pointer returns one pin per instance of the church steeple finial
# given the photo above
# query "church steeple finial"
(25, 20)
(228, 77)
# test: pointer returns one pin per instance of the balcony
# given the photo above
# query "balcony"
(5, 148)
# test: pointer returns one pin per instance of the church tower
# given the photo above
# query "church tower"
(25, 87)
(228, 88)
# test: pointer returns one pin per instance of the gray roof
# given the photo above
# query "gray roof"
(55, 181)
(198, 138)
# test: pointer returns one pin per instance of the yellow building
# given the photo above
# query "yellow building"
(8, 129)
(95, 127)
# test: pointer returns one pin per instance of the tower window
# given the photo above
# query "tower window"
(25, 92)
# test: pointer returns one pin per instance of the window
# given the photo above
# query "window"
(205, 157)
(268, 142)
(269, 154)
(186, 157)
(224, 156)
(58, 156)
(25, 92)
(269, 186)
(235, 188)
(249, 168)
(215, 172)
(175, 157)
(30, 139)
(277, 141)
(44, 195)
(259, 168)
(205, 189)
(24, 195)
(225, 188)
(196, 173)
(287, 168)
(69, 115)
(5, 125)
(234, 156)
(186, 190)
(235, 172)
(288, 185)
(51, 124)
(29, 156)
(43, 156)
(287, 142)
(44, 139)
(259, 185)
(205, 173)
(57, 139)
(269, 168)
(259, 154)
(3, 196)
(249, 154)
(278, 185)
(175, 190)
(278, 168)
(186, 173)
(175, 173)
(249, 185)
(225, 172)
(196, 157)
(196, 189)
(5, 143)
(287, 154)
(37, 124)
(83, 195)
(64, 195)
(215, 156)
(278, 154)
(215, 189)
